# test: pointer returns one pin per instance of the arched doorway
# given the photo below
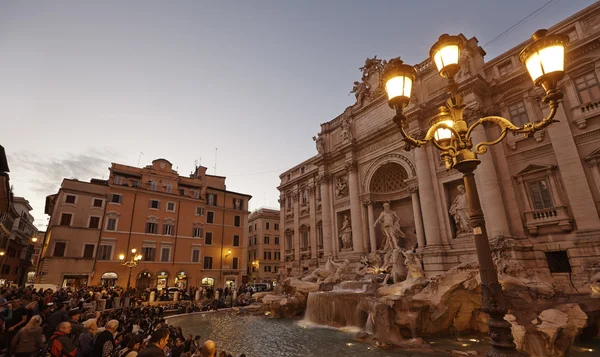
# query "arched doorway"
(109, 279)
(208, 282)
(143, 280)
(181, 280)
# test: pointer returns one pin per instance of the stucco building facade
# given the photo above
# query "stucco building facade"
(190, 231)
(541, 193)
(264, 245)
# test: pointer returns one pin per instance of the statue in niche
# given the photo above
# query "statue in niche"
(346, 130)
(341, 187)
(459, 210)
(346, 234)
(390, 227)
(320, 143)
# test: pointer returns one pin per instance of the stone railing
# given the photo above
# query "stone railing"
(555, 216)
(584, 112)
(305, 249)
(289, 252)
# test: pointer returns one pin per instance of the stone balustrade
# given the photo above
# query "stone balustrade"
(558, 216)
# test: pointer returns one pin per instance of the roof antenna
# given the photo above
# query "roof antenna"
(215, 167)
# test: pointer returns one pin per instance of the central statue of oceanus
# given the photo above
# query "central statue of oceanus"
(390, 227)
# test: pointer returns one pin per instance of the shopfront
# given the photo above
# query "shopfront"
(109, 279)
(162, 280)
(76, 281)
(208, 282)
(181, 280)
(143, 280)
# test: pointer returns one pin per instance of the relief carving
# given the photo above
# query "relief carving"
(341, 187)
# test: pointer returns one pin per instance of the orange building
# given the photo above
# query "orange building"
(188, 231)
(264, 248)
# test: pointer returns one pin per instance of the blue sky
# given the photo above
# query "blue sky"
(83, 84)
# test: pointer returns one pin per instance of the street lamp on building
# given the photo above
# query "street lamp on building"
(256, 264)
(451, 134)
(34, 239)
(132, 262)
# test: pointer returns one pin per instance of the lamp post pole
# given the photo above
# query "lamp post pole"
(134, 261)
(450, 133)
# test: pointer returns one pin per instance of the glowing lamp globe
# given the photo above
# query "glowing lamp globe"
(545, 59)
(445, 53)
(443, 135)
(399, 78)
(121, 256)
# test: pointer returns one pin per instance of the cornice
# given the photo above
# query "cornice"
(521, 155)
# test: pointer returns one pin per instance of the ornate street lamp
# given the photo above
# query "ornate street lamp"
(132, 262)
(450, 133)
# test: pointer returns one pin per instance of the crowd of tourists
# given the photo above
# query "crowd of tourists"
(69, 323)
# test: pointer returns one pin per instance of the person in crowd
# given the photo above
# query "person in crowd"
(209, 349)
(76, 327)
(61, 345)
(158, 341)
(60, 315)
(85, 341)
(29, 339)
(195, 345)
(177, 350)
(133, 347)
(188, 343)
(104, 342)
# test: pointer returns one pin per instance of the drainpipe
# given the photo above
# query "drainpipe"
(176, 234)
(222, 237)
(99, 234)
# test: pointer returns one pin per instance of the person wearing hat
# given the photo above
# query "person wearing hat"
(74, 317)
(58, 316)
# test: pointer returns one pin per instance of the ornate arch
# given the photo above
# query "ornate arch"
(396, 158)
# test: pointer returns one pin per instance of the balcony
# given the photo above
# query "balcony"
(289, 254)
(582, 113)
(546, 218)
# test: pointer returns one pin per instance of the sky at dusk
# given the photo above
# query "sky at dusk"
(84, 84)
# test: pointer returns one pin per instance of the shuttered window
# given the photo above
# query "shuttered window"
(540, 194)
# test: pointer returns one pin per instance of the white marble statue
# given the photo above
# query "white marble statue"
(341, 187)
(390, 227)
(460, 211)
(413, 264)
(346, 234)
(320, 143)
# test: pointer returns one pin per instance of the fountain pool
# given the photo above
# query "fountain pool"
(257, 336)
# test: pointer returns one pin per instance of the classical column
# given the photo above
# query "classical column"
(326, 215)
(372, 236)
(357, 237)
(312, 204)
(414, 196)
(281, 232)
(595, 173)
(365, 229)
(488, 186)
(297, 236)
(573, 176)
(427, 199)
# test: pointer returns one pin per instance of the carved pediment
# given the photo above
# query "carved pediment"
(532, 169)
(594, 155)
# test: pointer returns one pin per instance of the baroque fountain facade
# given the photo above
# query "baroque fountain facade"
(380, 238)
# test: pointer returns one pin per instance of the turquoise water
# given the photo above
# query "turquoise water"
(257, 336)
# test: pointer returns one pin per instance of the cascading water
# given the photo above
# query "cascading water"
(337, 308)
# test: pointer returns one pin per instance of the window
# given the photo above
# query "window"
(16, 270)
(170, 206)
(302, 169)
(289, 241)
(237, 204)
(196, 194)
(148, 253)
(250, 228)
(540, 194)
(94, 222)
(237, 221)
(105, 252)
(558, 262)
(154, 204)
(207, 262)
(288, 202)
(266, 240)
(197, 232)
(118, 180)
(305, 239)
(168, 229)
(199, 211)
(195, 255)
(181, 192)
(151, 227)
(70, 199)
(267, 255)
(236, 241)
(518, 113)
(168, 188)
(235, 263)
(254, 240)
(277, 255)
(320, 235)
(59, 249)
(165, 254)
(211, 199)
(116, 198)
(267, 268)
(152, 185)
(88, 251)
(505, 68)
(304, 196)
(277, 240)
(276, 226)
(65, 219)
(136, 183)
(111, 224)
(276, 269)
(210, 217)
(208, 238)
(98, 202)
(267, 225)
(5, 269)
(588, 87)
(254, 255)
